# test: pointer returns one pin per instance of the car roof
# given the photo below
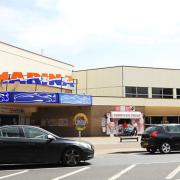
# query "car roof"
(162, 125)
(19, 126)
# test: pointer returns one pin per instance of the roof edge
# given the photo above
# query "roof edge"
(35, 53)
(121, 66)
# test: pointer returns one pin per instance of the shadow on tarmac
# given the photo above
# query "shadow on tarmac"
(145, 153)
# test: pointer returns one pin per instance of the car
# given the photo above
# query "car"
(24, 144)
(162, 137)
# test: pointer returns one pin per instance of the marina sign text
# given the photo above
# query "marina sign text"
(37, 78)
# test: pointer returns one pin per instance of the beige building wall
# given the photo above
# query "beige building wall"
(111, 81)
(15, 59)
(151, 77)
(100, 82)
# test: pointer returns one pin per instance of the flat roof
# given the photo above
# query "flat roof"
(35, 53)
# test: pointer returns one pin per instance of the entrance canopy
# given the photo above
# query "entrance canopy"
(126, 115)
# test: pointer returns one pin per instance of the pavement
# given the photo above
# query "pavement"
(110, 145)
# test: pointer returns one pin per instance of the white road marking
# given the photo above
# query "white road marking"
(116, 176)
(70, 174)
(14, 174)
(173, 173)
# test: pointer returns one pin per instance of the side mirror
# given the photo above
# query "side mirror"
(51, 138)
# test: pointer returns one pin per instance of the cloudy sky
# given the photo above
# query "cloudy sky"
(95, 33)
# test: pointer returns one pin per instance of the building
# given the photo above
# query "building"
(38, 90)
(124, 93)
(41, 91)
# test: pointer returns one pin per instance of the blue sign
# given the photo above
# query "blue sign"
(35, 97)
(44, 97)
(4, 97)
(75, 99)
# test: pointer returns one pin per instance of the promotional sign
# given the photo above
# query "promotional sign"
(36, 78)
(80, 121)
(126, 115)
(75, 99)
(4, 97)
(44, 97)
(35, 97)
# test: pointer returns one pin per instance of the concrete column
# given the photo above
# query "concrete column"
(149, 92)
(174, 93)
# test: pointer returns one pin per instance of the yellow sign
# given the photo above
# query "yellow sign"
(80, 120)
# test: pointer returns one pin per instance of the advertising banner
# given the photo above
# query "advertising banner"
(35, 97)
(5, 97)
(75, 99)
(80, 121)
(48, 79)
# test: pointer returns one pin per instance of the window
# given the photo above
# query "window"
(34, 133)
(168, 93)
(172, 119)
(130, 91)
(142, 92)
(147, 120)
(178, 93)
(156, 119)
(173, 129)
(136, 91)
(162, 93)
(157, 92)
(10, 132)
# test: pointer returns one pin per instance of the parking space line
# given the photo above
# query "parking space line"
(173, 173)
(14, 174)
(122, 172)
(70, 174)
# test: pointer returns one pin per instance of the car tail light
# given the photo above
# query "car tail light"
(154, 134)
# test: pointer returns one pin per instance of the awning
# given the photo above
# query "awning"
(126, 115)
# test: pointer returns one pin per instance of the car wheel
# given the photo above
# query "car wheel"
(71, 157)
(151, 150)
(165, 148)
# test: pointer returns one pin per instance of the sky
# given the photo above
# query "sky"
(95, 33)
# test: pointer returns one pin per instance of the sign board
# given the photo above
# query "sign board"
(75, 99)
(45, 97)
(5, 97)
(35, 97)
(36, 78)
(126, 115)
(80, 121)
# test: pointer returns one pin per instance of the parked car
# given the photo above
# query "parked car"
(29, 144)
(163, 137)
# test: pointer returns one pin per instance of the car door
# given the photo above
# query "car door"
(43, 149)
(177, 136)
(12, 145)
(174, 135)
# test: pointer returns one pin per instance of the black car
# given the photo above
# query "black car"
(164, 137)
(29, 144)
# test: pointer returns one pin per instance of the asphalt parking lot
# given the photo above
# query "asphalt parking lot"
(125, 160)
(113, 166)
